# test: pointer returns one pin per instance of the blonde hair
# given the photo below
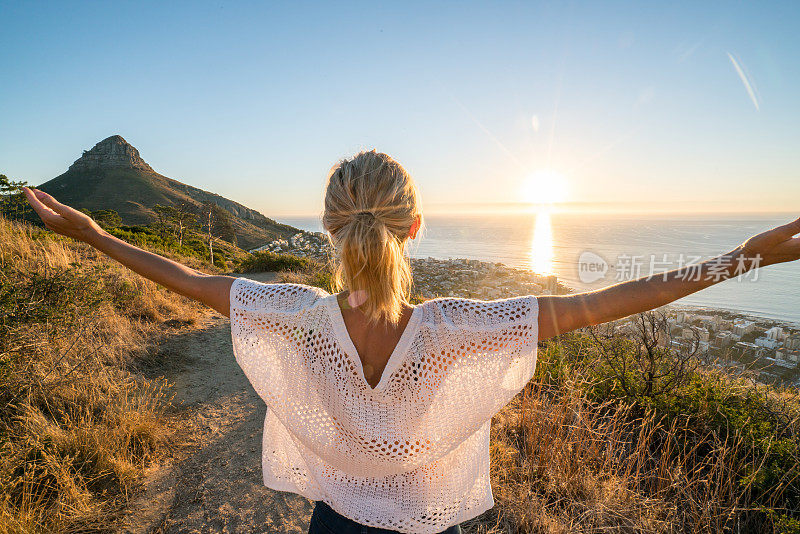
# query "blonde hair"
(371, 204)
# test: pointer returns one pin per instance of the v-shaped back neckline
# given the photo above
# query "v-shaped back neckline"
(349, 348)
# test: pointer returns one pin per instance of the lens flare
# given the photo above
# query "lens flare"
(748, 84)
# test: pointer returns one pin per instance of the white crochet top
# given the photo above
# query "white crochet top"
(412, 454)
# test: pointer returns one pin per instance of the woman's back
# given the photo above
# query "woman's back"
(408, 454)
(374, 342)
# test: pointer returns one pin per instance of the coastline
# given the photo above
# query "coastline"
(750, 316)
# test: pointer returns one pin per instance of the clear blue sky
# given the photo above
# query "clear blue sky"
(634, 102)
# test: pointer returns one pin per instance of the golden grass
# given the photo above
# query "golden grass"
(78, 425)
(562, 463)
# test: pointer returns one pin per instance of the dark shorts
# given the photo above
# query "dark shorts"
(325, 520)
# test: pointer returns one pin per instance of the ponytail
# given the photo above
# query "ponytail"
(370, 206)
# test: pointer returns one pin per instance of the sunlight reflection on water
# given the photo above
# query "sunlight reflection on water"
(542, 244)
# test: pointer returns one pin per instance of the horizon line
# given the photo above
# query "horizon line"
(579, 207)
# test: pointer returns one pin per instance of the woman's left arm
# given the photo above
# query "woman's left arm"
(564, 313)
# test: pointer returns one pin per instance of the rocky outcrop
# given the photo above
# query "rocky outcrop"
(112, 152)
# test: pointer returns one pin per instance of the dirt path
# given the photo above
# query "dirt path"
(215, 483)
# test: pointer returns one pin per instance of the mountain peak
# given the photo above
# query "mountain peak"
(111, 152)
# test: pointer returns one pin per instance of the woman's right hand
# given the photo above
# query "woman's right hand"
(213, 291)
(61, 218)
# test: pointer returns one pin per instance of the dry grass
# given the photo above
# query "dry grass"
(77, 424)
(564, 463)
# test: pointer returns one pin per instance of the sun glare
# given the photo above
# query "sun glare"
(545, 186)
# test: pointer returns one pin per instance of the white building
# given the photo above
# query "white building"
(776, 333)
(785, 359)
(749, 348)
(793, 342)
(767, 342)
(723, 339)
(743, 326)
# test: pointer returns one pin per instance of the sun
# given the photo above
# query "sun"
(544, 186)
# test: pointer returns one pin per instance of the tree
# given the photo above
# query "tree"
(208, 222)
(12, 200)
(163, 217)
(178, 219)
(223, 220)
(642, 358)
(217, 223)
(108, 219)
(183, 218)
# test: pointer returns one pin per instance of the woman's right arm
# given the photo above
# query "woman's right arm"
(211, 290)
(560, 314)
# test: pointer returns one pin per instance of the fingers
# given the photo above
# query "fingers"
(47, 215)
(788, 250)
(67, 212)
(54, 206)
(36, 204)
(51, 202)
(777, 235)
(788, 230)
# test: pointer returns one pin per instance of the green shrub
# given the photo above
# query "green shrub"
(321, 278)
(150, 238)
(272, 262)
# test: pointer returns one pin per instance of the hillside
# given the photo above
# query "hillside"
(113, 176)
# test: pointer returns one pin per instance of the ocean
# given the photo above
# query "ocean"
(576, 247)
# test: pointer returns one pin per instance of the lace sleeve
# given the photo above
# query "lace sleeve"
(266, 329)
(486, 353)
(249, 295)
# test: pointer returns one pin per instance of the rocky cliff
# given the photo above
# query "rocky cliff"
(111, 152)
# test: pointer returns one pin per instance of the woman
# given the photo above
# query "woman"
(379, 410)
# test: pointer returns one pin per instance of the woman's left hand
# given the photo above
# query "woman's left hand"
(563, 313)
(773, 246)
(213, 291)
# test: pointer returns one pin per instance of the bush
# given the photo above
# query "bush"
(194, 245)
(272, 262)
